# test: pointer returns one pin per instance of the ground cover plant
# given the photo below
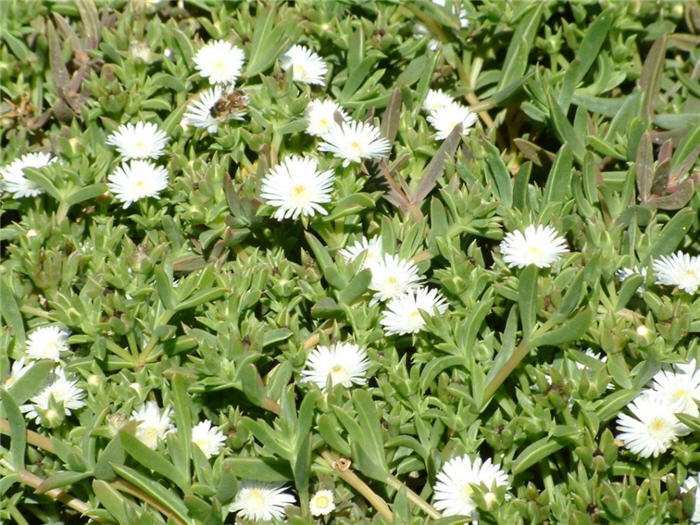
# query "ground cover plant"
(349, 262)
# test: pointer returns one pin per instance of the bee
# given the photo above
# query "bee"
(234, 101)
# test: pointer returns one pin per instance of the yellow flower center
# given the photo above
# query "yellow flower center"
(689, 273)
(391, 282)
(139, 184)
(218, 65)
(355, 146)
(336, 368)
(657, 424)
(150, 435)
(322, 502)
(299, 69)
(323, 122)
(467, 492)
(681, 393)
(301, 195)
(256, 496)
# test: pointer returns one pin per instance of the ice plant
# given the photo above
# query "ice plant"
(653, 428)
(321, 503)
(260, 501)
(307, 67)
(455, 481)
(436, 99)
(371, 248)
(538, 245)
(136, 180)
(296, 187)
(13, 180)
(201, 111)
(692, 483)
(393, 276)
(61, 390)
(680, 389)
(343, 363)
(403, 313)
(143, 140)
(220, 62)
(678, 269)
(209, 439)
(355, 141)
(153, 425)
(446, 118)
(17, 370)
(320, 116)
(47, 342)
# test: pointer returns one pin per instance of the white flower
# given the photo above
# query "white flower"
(47, 342)
(260, 501)
(693, 483)
(209, 439)
(12, 177)
(199, 111)
(152, 425)
(372, 248)
(393, 276)
(295, 187)
(343, 363)
(354, 141)
(220, 62)
(320, 116)
(436, 99)
(17, 370)
(453, 490)
(322, 503)
(653, 428)
(136, 180)
(680, 390)
(141, 141)
(60, 390)
(679, 269)
(447, 117)
(307, 66)
(538, 245)
(402, 314)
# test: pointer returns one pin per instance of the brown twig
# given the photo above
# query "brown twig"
(32, 437)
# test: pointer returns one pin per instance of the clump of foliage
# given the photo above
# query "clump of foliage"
(202, 302)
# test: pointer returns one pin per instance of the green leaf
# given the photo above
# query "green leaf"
(672, 234)
(62, 478)
(10, 311)
(164, 287)
(527, 299)
(435, 366)
(85, 193)
(203, 297)
(18, 430)
(652, 75)
(535, 453)
(516, 60)
(252, 385)
(183, 420)
(269, 40)
(435, 168)
(572, 297)
(627, 290)
(617, 368)
(32, 380)
(328, 429)
(498, 175)
(691, 422)
(302, 470)
(263, 469)
(610, 406)
(38, 176)
(368, 418)
(571, 330)
(565, 130)
(355, 288)
(152, 460)
(110, 500)
(644, 166)
(558, 186)
(520, 188)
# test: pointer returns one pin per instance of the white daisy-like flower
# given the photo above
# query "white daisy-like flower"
(678, 269)
(12, 179)
(320, 116)
(447, 117)
(680, 390)
(260, 501)
(202, 113)
(307, 67)
(692, 483)
(403, 313)
(47, 342)
(344, 363)
(152, 425)
(372, 248)
(652, 429)
(393, 276)
(209, 439)
(538, 245)
(454, 487)
(144, 140)
(296, 187)
(137, 180)
(354, 141)
(62, 390)
(321, 503)
(220, 62)
(17, 370)
(436, 99)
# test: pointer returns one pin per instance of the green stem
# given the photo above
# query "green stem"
(415, 498)
(360, 486)
(118, 350)
(518, 355)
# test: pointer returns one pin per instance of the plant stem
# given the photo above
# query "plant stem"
(518, 355)
(32, 437)
(360, 486)
(415, 498)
